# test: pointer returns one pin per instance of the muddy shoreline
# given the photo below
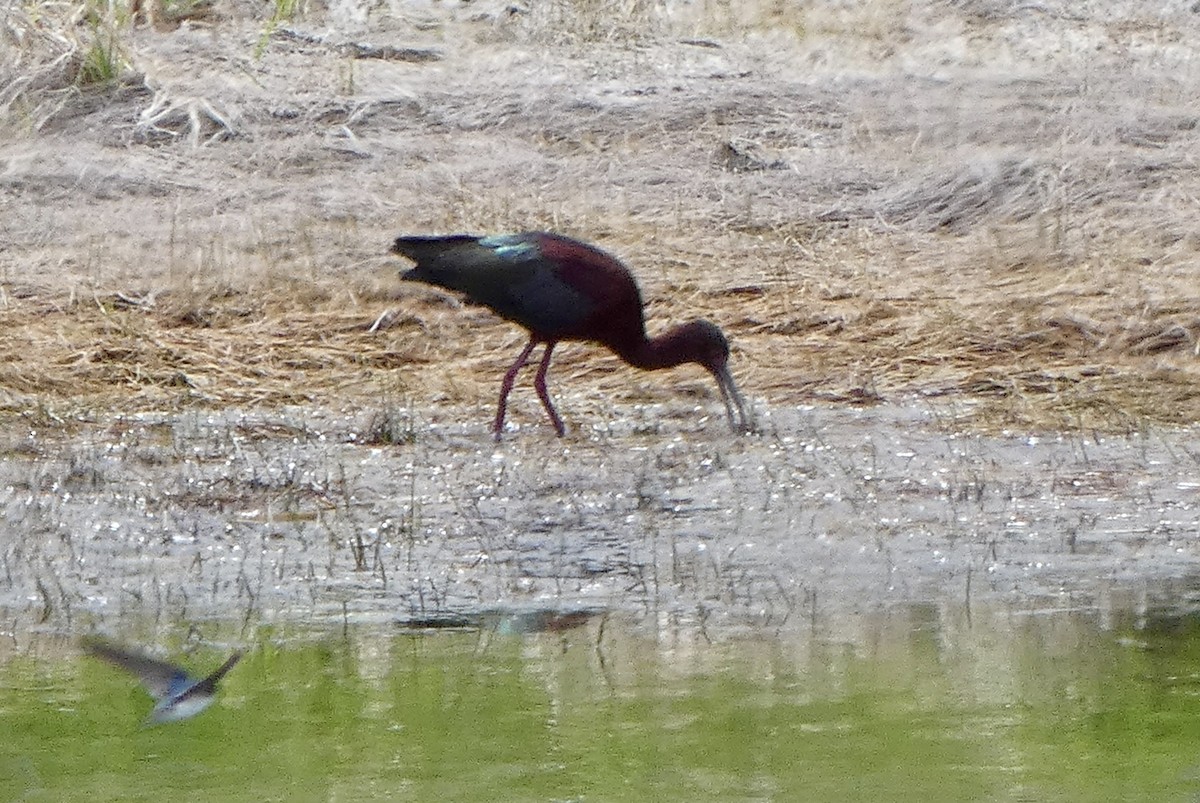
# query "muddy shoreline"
(276, 516)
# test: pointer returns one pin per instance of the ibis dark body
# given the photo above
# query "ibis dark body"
(562, 289)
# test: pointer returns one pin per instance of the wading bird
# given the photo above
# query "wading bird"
(177, 694)
(562, 289)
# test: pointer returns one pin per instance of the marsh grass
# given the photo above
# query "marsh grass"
(281, 11)
(103, 61)
(583, 21)
(889, 244)
(54, 46)
(1071, 352)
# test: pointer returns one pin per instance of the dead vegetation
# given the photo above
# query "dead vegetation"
(998, 226)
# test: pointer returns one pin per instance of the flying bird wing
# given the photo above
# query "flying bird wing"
(209, 684)
(163, 680)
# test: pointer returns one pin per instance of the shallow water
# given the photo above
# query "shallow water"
(921, 702)
(853, 604)
(298, 516)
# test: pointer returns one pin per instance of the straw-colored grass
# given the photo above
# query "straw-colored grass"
(946, 210)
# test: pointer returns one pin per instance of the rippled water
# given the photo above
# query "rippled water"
(924, 702)
(300, 516)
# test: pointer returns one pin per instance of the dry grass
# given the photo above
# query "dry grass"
(1006, 231)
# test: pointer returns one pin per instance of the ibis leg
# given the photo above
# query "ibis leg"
(539, 384)
(506, 387)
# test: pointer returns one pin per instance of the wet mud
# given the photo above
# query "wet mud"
(309, 516)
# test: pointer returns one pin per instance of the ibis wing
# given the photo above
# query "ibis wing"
(425, 250)
(507, 274)
(546, 304)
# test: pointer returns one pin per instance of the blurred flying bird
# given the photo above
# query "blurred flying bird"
(177, 694)
(562, 289)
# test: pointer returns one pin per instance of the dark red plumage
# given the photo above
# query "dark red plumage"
(562, 289)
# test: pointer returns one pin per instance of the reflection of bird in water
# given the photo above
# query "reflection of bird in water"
(506, 622)
(562, 289)
(177, 694)
(519, 623)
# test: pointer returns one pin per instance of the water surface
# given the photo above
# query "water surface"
(921, 702)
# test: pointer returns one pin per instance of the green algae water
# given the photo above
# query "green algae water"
(918, 703)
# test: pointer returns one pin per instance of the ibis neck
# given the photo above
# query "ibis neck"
(665, 351)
